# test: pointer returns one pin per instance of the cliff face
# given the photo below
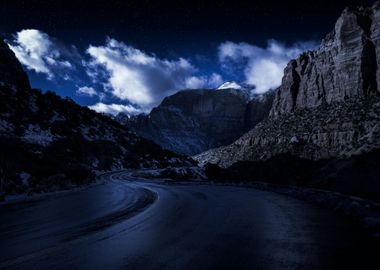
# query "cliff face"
(11, 72)
(345, 65)
(341, 130)
(375, 36)
(328, 103)
(193, 121)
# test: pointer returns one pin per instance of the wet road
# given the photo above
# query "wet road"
(145, 225)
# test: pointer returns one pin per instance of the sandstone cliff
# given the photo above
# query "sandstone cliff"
(192, 121)
(343, 67)
(328, 102)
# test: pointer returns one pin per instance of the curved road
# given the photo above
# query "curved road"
(126, 224)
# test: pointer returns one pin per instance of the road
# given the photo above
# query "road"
(124, 224)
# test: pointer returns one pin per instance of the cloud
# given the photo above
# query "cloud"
(262, 67)
(139, 77)
(215, 80)
(37, 51)
(196, 82)
(114, 108)
(86, 91)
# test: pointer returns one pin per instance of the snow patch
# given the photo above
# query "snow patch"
(6, 126)
(230, 85)
(294, 139)
(57, 117)
(34, 134)
(24, 178)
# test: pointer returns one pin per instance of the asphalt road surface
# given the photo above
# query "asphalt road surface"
(126, 224)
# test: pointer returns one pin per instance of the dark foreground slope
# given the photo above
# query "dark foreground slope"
(48, 142)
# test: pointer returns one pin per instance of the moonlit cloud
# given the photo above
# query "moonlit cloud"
(215, 80)
(115, 108)
(122, 74)
(197, 82)
(37, 51)
(262, 67)
(139, 77)
(86, 91)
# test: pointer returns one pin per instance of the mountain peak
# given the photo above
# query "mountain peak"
(228, 85)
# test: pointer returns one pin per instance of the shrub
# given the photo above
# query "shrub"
(79, 174)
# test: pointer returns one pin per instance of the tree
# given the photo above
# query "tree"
(4, 170)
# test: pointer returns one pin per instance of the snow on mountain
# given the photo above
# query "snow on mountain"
(228, 85)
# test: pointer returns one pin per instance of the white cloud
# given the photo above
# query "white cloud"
(114, 108)
(86, 91)
(262, 67)
(37, 51)
(141, 78)
(215, 80)
(196, 82)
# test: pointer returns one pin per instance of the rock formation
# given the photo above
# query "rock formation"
(328, 104)
(343, 67)
(375, 36)
(192, 121)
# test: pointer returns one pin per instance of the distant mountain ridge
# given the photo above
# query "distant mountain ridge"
(192, 121)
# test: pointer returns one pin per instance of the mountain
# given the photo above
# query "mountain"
(344, 66)
(49, 143)
(227, 85)
(328, 104)
(192, 121)
(11, 72)
(324, 125)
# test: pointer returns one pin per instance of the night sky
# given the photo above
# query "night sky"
(137, 46)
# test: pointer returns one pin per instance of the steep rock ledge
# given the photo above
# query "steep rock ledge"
(344, 66)
(192, 121)
(341, 129)
(328, 105)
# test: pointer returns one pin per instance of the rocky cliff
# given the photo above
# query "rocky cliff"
(375, 36)
(192, 121)
(328, 103)
(344, 66)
